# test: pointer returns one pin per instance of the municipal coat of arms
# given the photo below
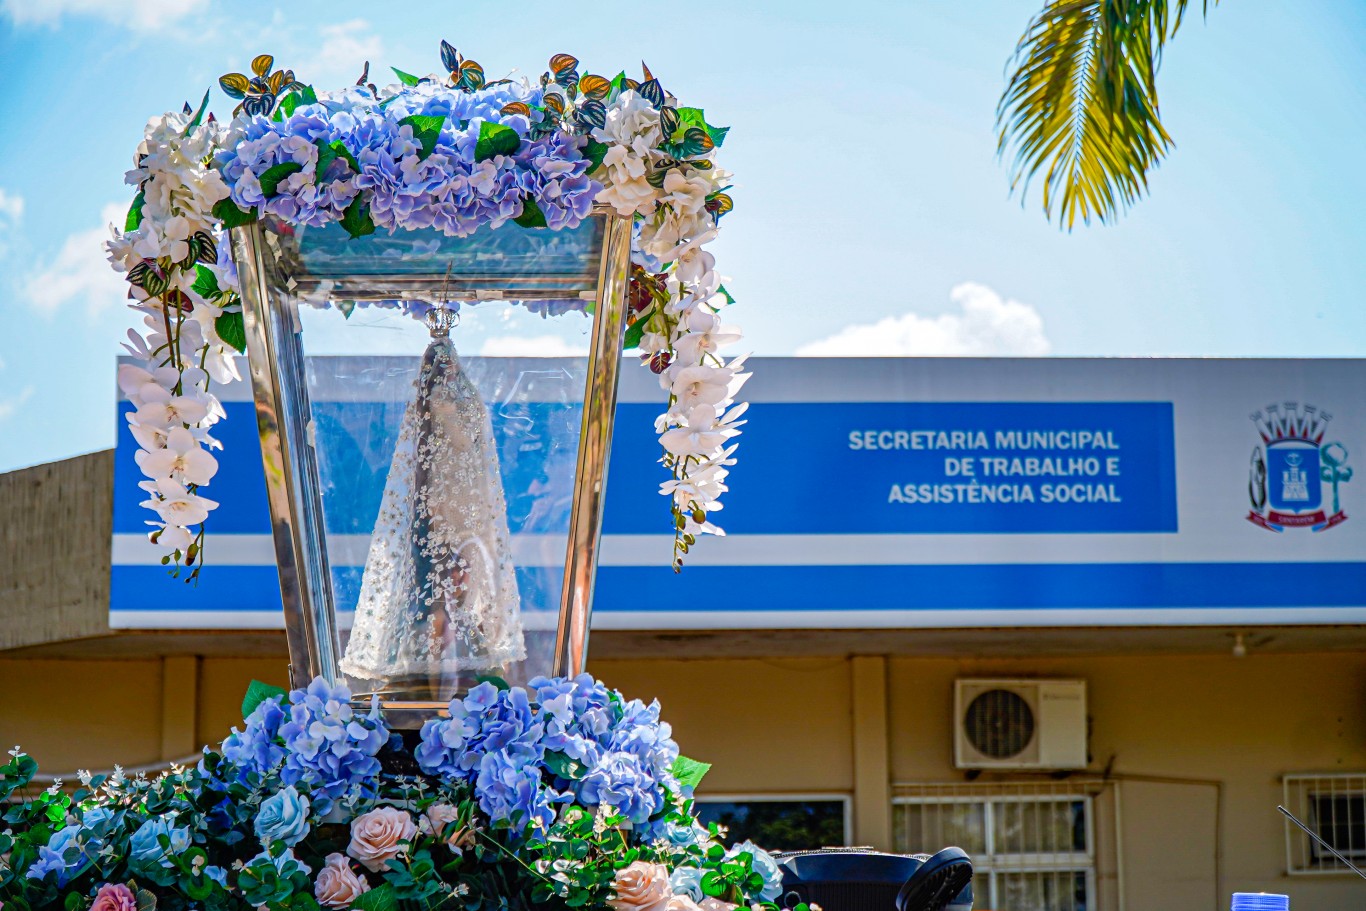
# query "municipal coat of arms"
(1295, 477)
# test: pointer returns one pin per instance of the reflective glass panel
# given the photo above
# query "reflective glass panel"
(445, 380)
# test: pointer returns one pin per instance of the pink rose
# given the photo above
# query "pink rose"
(338, 885)
(114, 897)
(379, 836)
(440, 815)
(641, 887)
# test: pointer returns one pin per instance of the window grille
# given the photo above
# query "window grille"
(1334, 806)
(1032, 844)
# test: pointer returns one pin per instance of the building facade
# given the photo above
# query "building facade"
(929, 563)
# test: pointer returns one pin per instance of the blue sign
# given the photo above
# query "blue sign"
(917, 467)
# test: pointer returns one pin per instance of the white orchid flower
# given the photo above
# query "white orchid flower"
(700, 385)
(174, 537)
(182, 458)
(162, 409)
(177, 506)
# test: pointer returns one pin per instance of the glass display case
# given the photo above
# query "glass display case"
(435, 416)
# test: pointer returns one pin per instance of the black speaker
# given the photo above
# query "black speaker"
(857, 879)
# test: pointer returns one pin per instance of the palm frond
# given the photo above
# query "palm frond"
(1081, 104)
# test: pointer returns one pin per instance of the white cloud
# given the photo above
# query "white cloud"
(530, 346)
(13, 403)
(11, 207)
(11, 211)
(339, 52)
(142, 15)
(80, 274)
(985, 324)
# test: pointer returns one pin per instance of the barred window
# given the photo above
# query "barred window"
(1334, 806)
(1032, 845)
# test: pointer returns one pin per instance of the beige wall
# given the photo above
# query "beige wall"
(1180, 734)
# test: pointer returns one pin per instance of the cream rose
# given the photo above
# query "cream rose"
(711, 903)
(435, 820)
(379, 836)
(642, 887)
(338, 885)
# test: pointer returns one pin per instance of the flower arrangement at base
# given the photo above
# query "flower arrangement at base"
(563, 794)
(453, 153)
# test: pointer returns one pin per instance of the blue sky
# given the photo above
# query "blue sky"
(872, 214)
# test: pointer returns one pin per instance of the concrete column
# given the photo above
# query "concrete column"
(872, 762)
(179, 706)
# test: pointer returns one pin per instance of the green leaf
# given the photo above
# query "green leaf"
(381, 898)
(595, 152)
(147, 901)
(227, 212)
(532, 216)
(198, 117)
(205, 282)
(689, 772)
(498, 682)
(275, 175)
(618, 83)
(689, 117)
(495, 139)
(346, 307)
(634, 333)
(405, 78)
(356, 219)
(308, 96)
(257, 692)
(695, 117)
(135, 213)
(426, 130)
(696, 141)
(329, 152)
(286, 108)
(564, 766)
(721, 289)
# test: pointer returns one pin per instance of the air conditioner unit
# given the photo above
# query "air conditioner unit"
(1019, 724)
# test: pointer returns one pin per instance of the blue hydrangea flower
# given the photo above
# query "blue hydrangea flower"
(525, 750)
(328, 747)
(512, 791)
(485, 721)
(622, 781)
(405, 189)
(257, 750)
(63, 855)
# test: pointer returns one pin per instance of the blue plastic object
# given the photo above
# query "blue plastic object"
(1260, 901)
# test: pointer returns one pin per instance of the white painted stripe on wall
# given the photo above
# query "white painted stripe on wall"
(790, 550)
(342, 550)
